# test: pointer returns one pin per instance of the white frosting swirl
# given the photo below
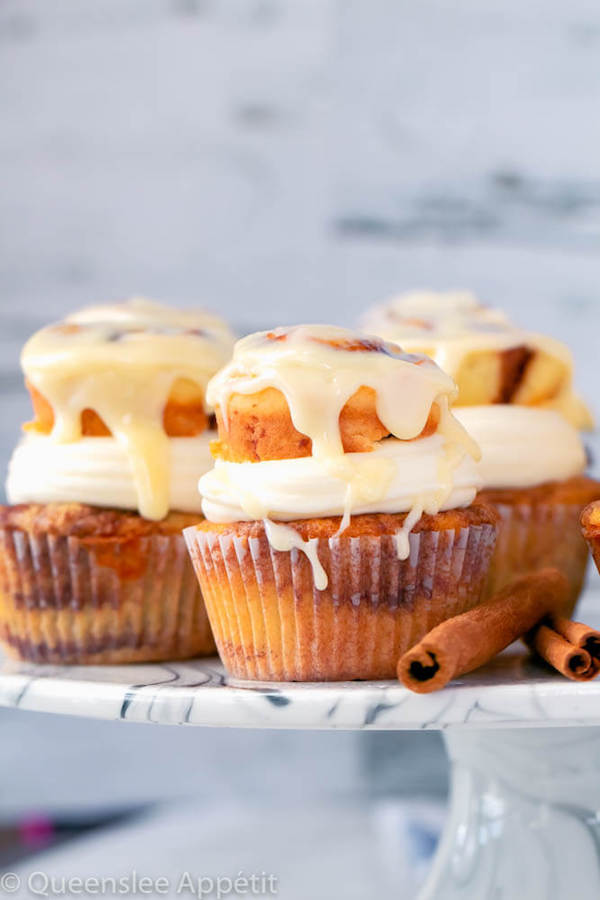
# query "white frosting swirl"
(393, 478)
(97, 470)
(523, 447)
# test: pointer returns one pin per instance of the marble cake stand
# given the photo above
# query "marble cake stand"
(524, 745)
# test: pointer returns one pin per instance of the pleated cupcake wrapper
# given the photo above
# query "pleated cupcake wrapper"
(70, 600)
(271, 623)
(535, 535)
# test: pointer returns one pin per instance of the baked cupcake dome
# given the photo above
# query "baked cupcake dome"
(516, 398)
(337, 523)
(93, 567)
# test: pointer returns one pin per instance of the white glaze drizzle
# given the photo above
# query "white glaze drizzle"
(449, 326)
(285, 538)
(122, 361)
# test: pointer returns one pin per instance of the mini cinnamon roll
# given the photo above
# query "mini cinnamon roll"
(259, 426)
(491, 359)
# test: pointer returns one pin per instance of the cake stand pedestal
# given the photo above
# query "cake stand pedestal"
(524, 744)
(524, 817)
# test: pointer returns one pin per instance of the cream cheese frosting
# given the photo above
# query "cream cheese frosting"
(122, 361)
(523, 447)
(318, 369)
(97, 471)
(451, 326)
(389, 479)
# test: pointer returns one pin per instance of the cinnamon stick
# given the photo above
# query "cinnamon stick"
(571, 647)
(471, 639)
(577, 633)
(567, 658)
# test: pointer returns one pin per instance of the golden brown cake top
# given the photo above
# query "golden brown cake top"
(575, 491)
(83, 521)
(490, 358)
(369, 525)
(136, 371)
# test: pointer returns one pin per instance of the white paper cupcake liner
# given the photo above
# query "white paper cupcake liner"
(71, 600)
(271, 623)
(533, 536)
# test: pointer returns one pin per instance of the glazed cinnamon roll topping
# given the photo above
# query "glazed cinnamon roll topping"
(490, 358)
(126, 370)
(326, 375)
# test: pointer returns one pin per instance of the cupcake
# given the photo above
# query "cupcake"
(339, 524)
(93, 567)
(516, 399)
(590, 526)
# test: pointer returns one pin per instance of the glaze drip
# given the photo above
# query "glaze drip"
(121, 362)
(452, 326)
(319, 368)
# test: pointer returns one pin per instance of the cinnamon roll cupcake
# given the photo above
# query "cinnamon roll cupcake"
(93, 568)
(516, 399)
(339, 524)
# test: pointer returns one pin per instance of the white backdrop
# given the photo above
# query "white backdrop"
(287, 160)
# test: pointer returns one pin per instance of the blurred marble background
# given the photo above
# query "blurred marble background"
(284, 160)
